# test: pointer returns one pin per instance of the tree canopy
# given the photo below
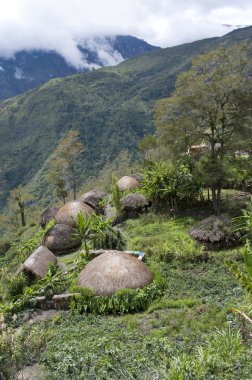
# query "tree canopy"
(211, 104)
(63, 163)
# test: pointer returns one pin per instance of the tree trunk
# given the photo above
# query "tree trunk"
(22, 213)
(216, 199)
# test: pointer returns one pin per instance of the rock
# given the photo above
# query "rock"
(62, 301)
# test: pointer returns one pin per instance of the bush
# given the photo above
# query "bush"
(171, 184)
(19, 348)
(14, 286)
(110, 240)
(4, 246)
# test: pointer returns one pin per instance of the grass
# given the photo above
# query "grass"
(192, 316)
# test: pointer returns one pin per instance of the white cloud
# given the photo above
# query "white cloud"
(18, 73)
(61, 24)
(1, 68)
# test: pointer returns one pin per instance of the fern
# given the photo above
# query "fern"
(244, 280)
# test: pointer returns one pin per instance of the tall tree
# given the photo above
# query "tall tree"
(63, 163)
(18, 199)
(211, 104)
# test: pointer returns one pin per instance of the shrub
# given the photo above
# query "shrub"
(15, 285)
(172, 184)
(19, 348)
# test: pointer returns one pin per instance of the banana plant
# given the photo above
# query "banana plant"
(244, 278)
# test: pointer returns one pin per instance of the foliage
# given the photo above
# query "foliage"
(112, 239)
(165, 240)
(98, 348)
(93, 347)
(63, 163)
(148, 145)
(244, 222)
(244, 279)
(19, 348)
(165, 303)
(169, 183)
(92, 229)
(123, 301)
(116, 195)
(216, 356)
(14, 286)
(178, 331)
(113, 105)
(211, 104)
(25, 247)
(18, 200)
(239, 173)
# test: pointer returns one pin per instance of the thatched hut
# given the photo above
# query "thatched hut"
(114, 270)
(138, 177)
(36, 266)
(68, 213)
(215, 233)
(47, 215)
(133, 204)
(61, 239)
(198, 151)
(127, 183)
(93, 198)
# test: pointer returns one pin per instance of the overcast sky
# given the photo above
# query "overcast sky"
(60, 24)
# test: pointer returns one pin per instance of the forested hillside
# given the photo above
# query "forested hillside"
(28, 69)
(112, 108)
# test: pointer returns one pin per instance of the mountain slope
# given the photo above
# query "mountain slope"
(111, 107)
(28, 69)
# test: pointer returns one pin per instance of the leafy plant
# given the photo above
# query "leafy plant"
(244, 279)
(19, 348)
(91, 228)
(167, 183)
(116, 195)
(209, 360)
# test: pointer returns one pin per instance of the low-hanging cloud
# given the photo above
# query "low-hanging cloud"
(63, 25)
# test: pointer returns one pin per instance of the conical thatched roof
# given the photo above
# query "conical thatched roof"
(127, 183)
(112, 271)
(61, 239)
(93, 197)
(134, 201)
(47, 215)
(36, 265)
(138, 177)
(215, 232)
(68, 213)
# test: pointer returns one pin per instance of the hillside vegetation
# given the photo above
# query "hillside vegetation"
(112, 108)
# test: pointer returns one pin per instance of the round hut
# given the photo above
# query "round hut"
(68, 213)
(215, 233)
(93, 198)
(114, 270)
(133, 204)
(61, 239)
(47, 215)
(127, 183)
(36, 266)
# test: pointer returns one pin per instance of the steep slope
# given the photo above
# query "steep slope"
(28, 69)
(111, 107)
